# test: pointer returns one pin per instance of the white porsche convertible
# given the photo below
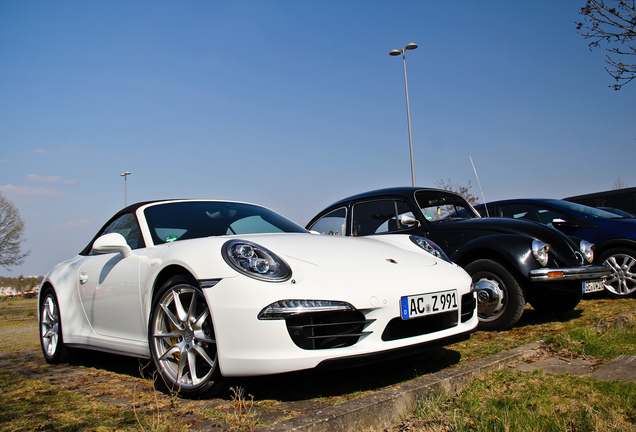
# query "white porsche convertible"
(208, 289)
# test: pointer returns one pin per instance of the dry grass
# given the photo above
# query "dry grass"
(30, 404)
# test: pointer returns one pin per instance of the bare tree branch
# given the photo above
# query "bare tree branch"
(614, 24)
(464, 191)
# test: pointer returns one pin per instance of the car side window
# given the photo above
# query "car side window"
(333, 223)
(380, 216)
(127, 226)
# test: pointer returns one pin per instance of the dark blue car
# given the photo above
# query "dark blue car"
(613, 234)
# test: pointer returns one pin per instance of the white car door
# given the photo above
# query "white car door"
(109, 285)
(109, 291)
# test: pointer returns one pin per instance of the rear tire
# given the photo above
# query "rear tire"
(51, 338)
(500, 299)
(182, 341)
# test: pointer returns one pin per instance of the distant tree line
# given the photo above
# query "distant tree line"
(21, 283)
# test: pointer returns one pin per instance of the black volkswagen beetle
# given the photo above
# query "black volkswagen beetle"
(511, 261)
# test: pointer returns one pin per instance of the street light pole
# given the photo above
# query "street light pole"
(397, 52)
(125, 176)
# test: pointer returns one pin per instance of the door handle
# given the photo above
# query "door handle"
(83, 278)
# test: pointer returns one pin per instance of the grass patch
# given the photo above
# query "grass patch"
(32, 405)
(506, 400)
(515, 401)
(510, 400)
(585, 341)
(18, 309)
(534, 326)
(18, 324)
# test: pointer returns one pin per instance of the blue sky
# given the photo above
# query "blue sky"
(293, 105)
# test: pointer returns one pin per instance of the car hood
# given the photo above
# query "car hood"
(345, 253)
(621, 228)
(496, 225)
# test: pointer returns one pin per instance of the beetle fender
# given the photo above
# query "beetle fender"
(514, 249)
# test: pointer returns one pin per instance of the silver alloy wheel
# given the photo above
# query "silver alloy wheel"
(622, 280)
(183, 338)
(491, 298)
(50, 326)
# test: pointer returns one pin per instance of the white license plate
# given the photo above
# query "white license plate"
(593, 286)
(428, 304)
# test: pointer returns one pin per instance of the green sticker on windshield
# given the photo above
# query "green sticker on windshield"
(428, 216)
(170, 238)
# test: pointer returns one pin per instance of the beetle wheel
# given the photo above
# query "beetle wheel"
(500, 299)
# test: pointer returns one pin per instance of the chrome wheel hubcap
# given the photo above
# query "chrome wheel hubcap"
(490, 299)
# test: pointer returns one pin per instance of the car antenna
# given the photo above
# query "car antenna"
(479, 183)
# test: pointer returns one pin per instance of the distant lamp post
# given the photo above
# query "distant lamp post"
(397, 52)
(125, 176)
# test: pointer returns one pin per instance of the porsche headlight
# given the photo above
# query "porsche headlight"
(587, 249)
(430, 247)
(540, 251)
(255, 261)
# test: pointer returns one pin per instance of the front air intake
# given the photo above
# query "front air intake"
(326, 330)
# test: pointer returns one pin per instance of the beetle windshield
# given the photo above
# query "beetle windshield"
(439, 206)
(182, 220)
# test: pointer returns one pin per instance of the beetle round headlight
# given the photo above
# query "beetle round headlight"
(587, 249)
(255, 261)
(430, 247)
(540, 252)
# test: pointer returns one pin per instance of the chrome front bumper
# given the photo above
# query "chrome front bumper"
(574, 273)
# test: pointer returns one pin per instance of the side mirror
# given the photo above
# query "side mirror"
(112, 243)
(563, 224)
(409, 221)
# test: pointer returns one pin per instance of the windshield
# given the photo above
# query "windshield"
(440, 206)
(183, 220)
(619, 212)
(588, 211)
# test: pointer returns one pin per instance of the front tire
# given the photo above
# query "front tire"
(500, 299)
(181, 337)
(51, 339)
(621, 282)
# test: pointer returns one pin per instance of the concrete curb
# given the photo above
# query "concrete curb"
(390, 405)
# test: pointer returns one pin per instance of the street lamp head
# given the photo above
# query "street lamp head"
(411, 46)
(125, 174)
(395, 52)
